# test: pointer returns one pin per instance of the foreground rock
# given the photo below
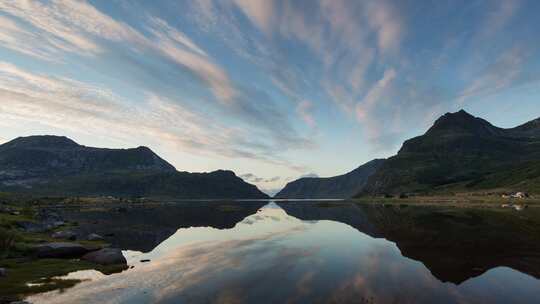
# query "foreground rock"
(28, 226)
(94, 237)
(66, 235)
(62, 250)
(34, 227)
(106, 256)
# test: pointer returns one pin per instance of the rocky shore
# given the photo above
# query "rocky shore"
(37, 246)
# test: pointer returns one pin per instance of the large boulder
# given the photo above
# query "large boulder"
(28, 226)
(65, 234)
(39, 227)
(106, 256)
(62, 250)
(94, 237)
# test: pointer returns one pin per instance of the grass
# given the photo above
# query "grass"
(22, 268)
(42, 275)
(470, 199)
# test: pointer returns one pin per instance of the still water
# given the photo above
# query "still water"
(309, 252)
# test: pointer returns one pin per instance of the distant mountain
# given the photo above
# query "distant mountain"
(343, 186)
(53, 165)
(463, 152)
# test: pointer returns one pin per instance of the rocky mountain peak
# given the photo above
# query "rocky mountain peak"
(42, 141)
(462, 121)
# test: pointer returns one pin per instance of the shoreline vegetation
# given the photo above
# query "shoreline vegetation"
(458, 200)
(22, 270)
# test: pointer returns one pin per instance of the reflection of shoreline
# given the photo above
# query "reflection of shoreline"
(455, 244)
(142, 228)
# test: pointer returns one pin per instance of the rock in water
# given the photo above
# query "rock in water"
(66, 235)
(62, 250)
(31, 226)
(106, 256)
(94, 237)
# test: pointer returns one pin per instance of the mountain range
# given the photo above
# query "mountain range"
(459, 152)
(54, 165)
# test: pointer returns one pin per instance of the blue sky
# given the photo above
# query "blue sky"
(273, 90)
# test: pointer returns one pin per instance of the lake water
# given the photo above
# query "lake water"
(313, 252)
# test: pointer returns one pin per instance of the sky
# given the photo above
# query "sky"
(273, 90)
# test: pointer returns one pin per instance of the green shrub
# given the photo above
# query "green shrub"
(7, 241)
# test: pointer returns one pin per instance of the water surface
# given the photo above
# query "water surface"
(309, 252)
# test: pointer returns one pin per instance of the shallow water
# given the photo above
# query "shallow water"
(311, 253)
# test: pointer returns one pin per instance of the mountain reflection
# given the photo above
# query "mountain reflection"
(305, 253)
(455, 244)
(142, 228)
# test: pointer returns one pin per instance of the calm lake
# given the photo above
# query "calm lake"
(311, 252)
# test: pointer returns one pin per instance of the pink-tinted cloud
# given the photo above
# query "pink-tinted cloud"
(304, 109)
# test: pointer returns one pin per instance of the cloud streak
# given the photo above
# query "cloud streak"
(70, 105)
(77, 27)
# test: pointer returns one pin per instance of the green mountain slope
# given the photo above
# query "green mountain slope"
(462, 152)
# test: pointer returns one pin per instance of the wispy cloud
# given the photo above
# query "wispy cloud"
(374, 94)
(501, 74)
(71, 105)
(71, 26)
(250, 177)
(183, 51)
(304, 109)
(77, 27)
(498, 17)
(260, 12)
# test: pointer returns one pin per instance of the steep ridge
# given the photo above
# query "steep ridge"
(463, 150)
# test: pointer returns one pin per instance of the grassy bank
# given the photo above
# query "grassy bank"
(25, 273)
(464, 200)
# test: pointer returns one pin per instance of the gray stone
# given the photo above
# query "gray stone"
(65, 234)
(62, 250)
(31, 226)
(48, 216)
(94, 237)
(53, 225)
(106, 256)
(3, 272)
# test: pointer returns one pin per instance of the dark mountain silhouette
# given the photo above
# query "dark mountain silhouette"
(463, 152)
(53, 165)
(343, 186)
